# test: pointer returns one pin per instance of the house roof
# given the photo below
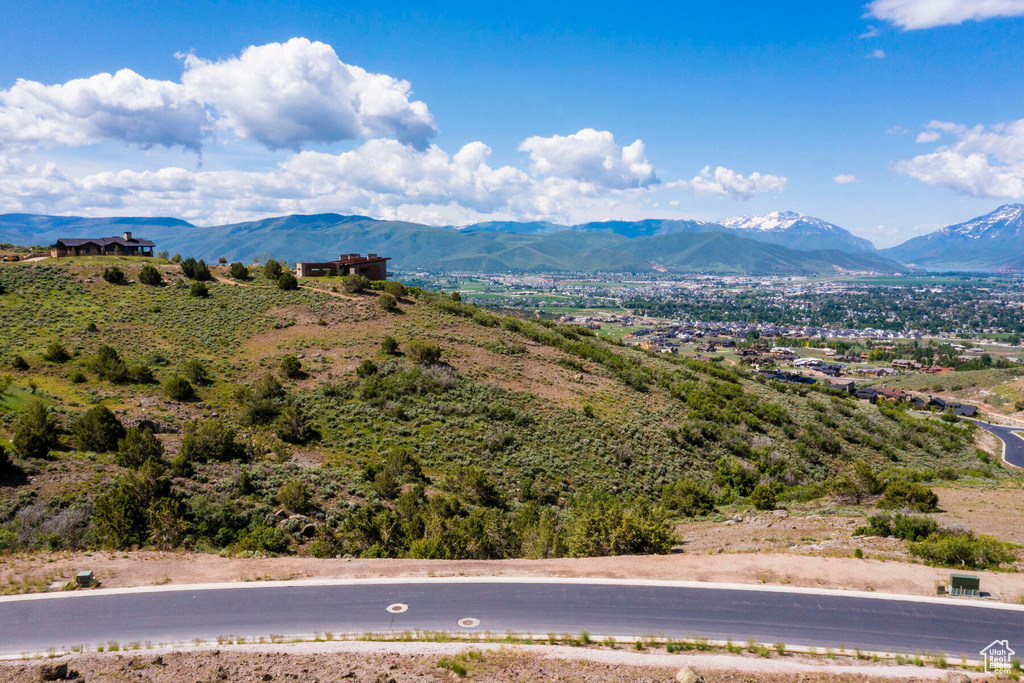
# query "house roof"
(104, 241)
(352, 259)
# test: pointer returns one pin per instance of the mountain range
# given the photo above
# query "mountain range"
(993, 242)
(775, 243)
(784, 228)
(643, 246)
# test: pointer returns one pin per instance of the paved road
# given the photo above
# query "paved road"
(820, 620)
(1013, 453)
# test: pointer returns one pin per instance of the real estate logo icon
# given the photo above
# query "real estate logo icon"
(998, 657)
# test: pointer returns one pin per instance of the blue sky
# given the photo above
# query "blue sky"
(356, 107)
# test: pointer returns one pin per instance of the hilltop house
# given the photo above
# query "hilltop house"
(126, 245)
(370, 266)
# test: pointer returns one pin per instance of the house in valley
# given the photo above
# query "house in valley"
(125, 245)
(371, 266)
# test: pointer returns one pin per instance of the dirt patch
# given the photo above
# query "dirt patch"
(371, 662)
(994, 511)
(148, 568)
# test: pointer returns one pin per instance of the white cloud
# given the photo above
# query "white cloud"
(845, 179)
(897, 130)
(928, 136)
(123, 106)
(983, 161)
(591, 156)
(281, 95)
(727, 183)
(871, 32)
(381, 177)
(877, 54)
(919, 14)
(286, 95)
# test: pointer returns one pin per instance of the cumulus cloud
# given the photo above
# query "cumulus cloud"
(910, 15)
(871, 32)
(727, 183)
(283, 95)
(381, 177)
(288, 94)
(591, 156)
(845, 179)
(123, 106)
(877, 54)
(982, 161)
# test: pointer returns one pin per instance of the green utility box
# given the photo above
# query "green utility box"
(84, 579)
(964, 584)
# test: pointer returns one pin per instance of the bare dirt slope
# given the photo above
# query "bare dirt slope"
(367, 662)
(116, 570)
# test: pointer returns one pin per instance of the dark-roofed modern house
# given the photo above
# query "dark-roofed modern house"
(371, 266)
(126, 245)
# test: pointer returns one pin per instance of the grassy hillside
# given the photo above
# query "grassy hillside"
(415, 246)
(524, 438)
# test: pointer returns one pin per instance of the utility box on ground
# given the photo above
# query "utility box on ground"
(84, 579)
(964, 584)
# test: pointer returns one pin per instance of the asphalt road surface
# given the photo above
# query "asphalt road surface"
(822, 620)
(1013, 453)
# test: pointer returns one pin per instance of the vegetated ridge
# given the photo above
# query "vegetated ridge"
(380, 421)
(650, 247)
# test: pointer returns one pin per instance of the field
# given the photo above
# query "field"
(318, 423)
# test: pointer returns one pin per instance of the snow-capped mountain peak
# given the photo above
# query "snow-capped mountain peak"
(776, 220)
(1007, 220)
(795, 230)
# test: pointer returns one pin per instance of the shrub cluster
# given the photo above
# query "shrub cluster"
(238, 271)
(291, 367)
(354, 283)
(272, 270)
(287, 281)
(115, 275)
(210, 440)
(196, 270)
(36, 433)
(260, 401)
(687, 498)
(56, 353)
(179, 389)
(150, 276)
(98, 430)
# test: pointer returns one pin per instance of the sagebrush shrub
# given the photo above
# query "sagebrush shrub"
(291, 367)
(423, 352)
(56, 353)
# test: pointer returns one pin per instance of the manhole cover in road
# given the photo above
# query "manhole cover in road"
(469, 622)
(397, 608)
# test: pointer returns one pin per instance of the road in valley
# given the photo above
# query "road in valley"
(1013, 444)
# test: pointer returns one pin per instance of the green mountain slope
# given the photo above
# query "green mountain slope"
(508, 438)
(413, 246)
